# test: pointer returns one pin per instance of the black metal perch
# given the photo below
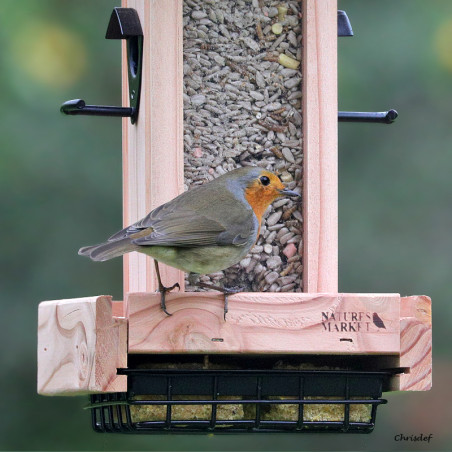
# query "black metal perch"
(384, 117)
(124, 24)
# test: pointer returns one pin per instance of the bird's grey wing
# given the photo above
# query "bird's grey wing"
(181, 228)
(150, 220)
(166, 227)
(176, 224)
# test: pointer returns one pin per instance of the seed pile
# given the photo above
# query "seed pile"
(242, 106)
(239, 411)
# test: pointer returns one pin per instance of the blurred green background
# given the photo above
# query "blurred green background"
(60, 188)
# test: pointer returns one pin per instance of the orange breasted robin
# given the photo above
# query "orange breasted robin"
(204, 230)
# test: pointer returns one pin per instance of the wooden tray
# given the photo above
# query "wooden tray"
(81, 342)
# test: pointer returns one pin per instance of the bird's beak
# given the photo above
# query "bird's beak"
(286, 192)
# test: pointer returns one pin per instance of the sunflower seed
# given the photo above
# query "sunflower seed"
(252, 44)
(274, 218)
(198, 14)
(198, 99)
(274, 262)
(288, 155)
(271, 277)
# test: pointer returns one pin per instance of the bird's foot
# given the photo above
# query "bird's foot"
(163, 290)
(229, 291)
(226, 292)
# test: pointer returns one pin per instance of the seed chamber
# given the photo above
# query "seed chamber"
(242, 106)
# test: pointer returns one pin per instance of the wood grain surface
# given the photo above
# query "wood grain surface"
(153, 156)
(320, 180)
(80, 346)
(265, 323)
(416, 343)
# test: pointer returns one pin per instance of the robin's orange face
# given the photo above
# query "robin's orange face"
(262, 191)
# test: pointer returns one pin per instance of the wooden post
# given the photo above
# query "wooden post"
(153, 147)
(320, 183)
(80, 346)
(416, 343)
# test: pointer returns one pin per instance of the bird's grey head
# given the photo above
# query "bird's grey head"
(257, 179)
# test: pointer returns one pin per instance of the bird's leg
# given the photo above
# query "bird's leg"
(225, 290)
(163, 289)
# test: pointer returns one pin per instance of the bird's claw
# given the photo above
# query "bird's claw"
(226, 291)
(225, 310)
(163, 290)
(229, 291)
(168, 289)
(232, 290)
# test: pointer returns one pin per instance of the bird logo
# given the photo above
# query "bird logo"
(378, 322)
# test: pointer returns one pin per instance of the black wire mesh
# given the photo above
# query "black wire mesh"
(242, 401)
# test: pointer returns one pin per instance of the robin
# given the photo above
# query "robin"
(204, 230)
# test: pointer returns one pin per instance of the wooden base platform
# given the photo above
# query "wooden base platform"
(265, 323)
(81, 342)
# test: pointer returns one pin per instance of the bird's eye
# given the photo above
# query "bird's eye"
(264, 180)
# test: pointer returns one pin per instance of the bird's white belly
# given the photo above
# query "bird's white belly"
(202, 260)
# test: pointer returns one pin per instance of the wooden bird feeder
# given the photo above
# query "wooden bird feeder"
(100, 347)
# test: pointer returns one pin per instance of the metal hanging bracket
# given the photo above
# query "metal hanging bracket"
(344, 28)
(384, 117)
(124, 24)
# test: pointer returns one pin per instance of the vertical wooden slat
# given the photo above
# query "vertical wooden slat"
(320, 182)
(153, 147)
(416, 343)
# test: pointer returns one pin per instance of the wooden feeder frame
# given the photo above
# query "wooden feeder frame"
(82, 342)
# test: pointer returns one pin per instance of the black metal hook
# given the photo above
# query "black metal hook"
(344, 28)
(78, 107)
(384, 117)
(124, 24)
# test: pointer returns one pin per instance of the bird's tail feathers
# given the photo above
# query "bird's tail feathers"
(108, 250)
